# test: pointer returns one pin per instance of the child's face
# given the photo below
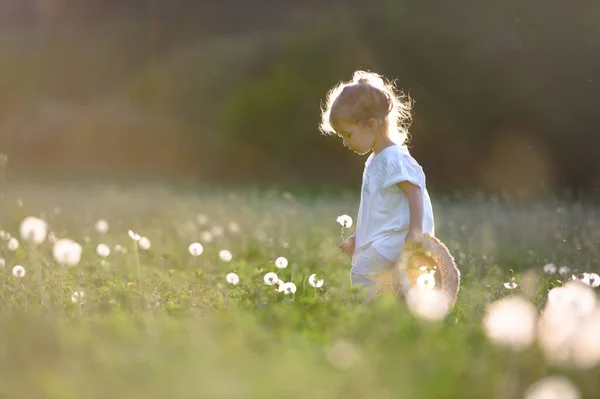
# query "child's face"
(357, 138)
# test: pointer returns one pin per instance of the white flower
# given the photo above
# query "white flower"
(563, 270)
(344, 221)
(134, 236)
(591, 279)
(103, 250)
(511, 322)
(426, 281)
(312, 280)
(67, 252)
(18, 271)
(232, 278)
(289, 288)
(554, 387)
(431, 305)
(281, 262)
(196, 249)
(225, 255)
(550, 268)
(102, 226)
(217, 231)
(271, 278)
(13, 244)
(511, 285)
(202, 219)
(144, 243)
(234, 227)
(77, 297)
(206, 237)
(33, 230)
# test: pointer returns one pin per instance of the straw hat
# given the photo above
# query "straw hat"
(434, 258)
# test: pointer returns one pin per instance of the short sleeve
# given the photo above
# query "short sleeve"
(399, 169)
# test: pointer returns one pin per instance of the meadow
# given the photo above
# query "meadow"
(145, 304)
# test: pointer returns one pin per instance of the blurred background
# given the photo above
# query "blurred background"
(506, 92)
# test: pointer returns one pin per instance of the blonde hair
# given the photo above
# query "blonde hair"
(367, 96)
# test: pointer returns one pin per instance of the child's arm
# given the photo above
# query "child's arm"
(415, 204)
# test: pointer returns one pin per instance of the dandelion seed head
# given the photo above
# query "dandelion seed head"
(345, 221)
(563, 270)
(426, 281)
(225, 255)
(202, 219)
(271, 278)
(33, 230)
(67, 252)
(281, 262)
(101, 226)
(2, 263)
(103, 250)
(432, 305)
(553, 387)
(591, 279)
(196, 249)
(232, 278)
(217, 231)
(4, 236)
(77, 297)
(133, 235)
(13, 244)
(18, 271)
(510, 322)
(312, 280)
(144, 243)
(289, 288)
(234, 227)
(550, 268)
(206, 237)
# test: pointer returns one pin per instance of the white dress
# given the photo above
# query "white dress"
(384, 215)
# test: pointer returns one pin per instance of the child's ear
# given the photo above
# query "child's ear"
(373, 124)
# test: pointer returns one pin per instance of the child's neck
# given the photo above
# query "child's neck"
(381, 144)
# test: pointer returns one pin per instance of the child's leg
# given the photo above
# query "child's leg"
(373, 272)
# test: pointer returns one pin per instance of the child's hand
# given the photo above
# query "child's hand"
(347, 246)
(413, 240)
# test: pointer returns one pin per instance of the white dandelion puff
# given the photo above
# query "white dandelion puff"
(217, 231)
(2, 263)
(591, 279)
(281, 262)
(511, 322)
(4, 236)
(271, 278)
(196, 249)
(550, 268)
(234, 227)
(426, 281)
(206, 237)
(432, 305)
(345, 221)
(13, 244)
(289, 288)
(101, 226)
(312, 280)
(563, 270)
(225, 255)
(77, 297)
(103, 250)
(553, 387)
(144, 243)
(133, 235)
(202, 219)
(18, 271)
(232, 278)
(67, 252)
(34, 230)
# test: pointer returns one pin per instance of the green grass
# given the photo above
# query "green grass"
(179, 330)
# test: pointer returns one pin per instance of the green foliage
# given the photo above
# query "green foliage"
(160, 322)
